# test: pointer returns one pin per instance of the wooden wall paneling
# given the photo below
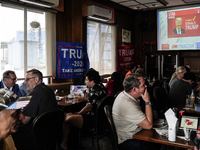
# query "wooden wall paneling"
(77, 21)
(124, 21)
(193, 63)
(69, 22)
(60, 7)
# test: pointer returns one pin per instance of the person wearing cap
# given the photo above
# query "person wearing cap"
(9, 123)
(9, 82)
(43, 98)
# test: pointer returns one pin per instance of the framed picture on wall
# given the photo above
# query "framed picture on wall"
(126, 36)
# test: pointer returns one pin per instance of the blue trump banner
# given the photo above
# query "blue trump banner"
(70, 63)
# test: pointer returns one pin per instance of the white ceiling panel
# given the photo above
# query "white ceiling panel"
(129, 3)
(138, 7)
(154, 5)
(146, 1)
(118, 1)
(149, 4)
(189, 1)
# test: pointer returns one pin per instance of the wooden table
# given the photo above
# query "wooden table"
(152, 136)
(193, 110)
(71, 107)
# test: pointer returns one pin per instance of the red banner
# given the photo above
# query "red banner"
(125, 57)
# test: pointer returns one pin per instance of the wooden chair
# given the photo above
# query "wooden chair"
(162, 101)
(111, 127)
(24, 139)
(47, 128)
(100, 129)
(166, 86)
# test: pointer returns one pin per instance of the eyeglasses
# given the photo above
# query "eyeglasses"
(14, 79)
(27, 79)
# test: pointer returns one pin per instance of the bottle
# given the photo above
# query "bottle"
(56, 92)
(192, 96)
(154, 78)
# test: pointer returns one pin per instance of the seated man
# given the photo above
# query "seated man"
(85, 117)
(9, 123)
(128, 116)
(180, 89)
(43, 98)
(9, 80)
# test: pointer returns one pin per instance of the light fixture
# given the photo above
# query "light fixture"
(39, 3)
(34, 24)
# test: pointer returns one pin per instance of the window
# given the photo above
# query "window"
(24, 42)
(101, 47)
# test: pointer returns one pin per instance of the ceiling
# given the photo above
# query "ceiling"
(153, 4)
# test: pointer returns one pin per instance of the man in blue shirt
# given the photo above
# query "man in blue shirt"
(9, 82)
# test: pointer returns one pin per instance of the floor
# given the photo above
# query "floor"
(86, 144)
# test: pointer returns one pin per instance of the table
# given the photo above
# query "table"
(71, 107)
(152, 136)
(193, 110)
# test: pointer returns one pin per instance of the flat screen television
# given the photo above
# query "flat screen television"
(178, 28)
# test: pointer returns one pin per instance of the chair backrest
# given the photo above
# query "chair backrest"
(111, 127)
(24, 139)
(47, 128)
(100, 115)
(117, 94)
(162, 101)
(166, 86)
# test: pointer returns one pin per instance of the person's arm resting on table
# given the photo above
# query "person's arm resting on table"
(83, 98)
(148, 122)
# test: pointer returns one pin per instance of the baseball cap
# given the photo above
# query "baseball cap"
(9, 100)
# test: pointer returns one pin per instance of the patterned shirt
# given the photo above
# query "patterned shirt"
(96, 93)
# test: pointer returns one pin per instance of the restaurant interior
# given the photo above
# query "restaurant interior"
(156, 50)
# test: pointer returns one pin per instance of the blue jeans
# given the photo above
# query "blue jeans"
(134, 144)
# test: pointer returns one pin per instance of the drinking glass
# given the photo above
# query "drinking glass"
(187, 134)
(187, 101)
(70, 98)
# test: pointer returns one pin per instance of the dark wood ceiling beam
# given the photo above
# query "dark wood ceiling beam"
(163, 2)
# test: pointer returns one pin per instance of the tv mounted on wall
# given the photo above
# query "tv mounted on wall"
(178, 28)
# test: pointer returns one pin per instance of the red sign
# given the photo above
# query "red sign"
(189, 26)
(165, 46)
(125, 55)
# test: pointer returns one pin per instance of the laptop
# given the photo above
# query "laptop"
(78, 89)
(189, 122)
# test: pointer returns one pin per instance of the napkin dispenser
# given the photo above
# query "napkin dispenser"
(172, 121)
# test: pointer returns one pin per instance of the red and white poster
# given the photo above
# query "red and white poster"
(125, 57)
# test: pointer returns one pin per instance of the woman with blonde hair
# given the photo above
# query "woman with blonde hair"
(177, 75)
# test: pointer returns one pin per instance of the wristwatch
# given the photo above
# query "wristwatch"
(148, 103)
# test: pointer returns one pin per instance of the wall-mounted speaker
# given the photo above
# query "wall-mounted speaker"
(146, 26)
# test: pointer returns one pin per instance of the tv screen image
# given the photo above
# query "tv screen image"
(178, 28)
(189, 122)
(78, 89)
